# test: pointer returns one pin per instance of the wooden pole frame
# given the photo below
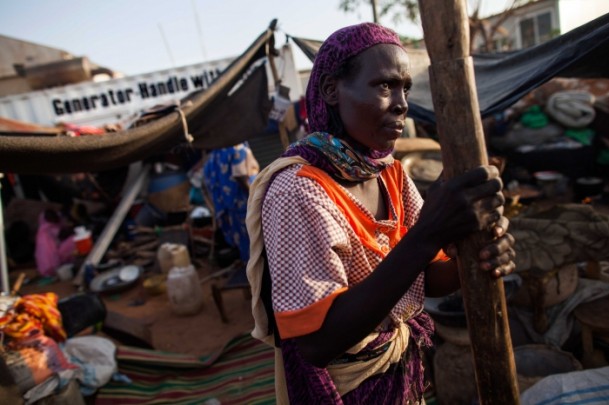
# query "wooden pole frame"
(459, 125)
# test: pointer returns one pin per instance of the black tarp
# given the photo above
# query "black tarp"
(504, 78)
(222, 115)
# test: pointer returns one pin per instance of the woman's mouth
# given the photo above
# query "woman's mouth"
(396, 128)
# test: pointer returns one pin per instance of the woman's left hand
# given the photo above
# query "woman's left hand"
(497, 256)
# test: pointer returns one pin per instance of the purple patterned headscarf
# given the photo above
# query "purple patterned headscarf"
(335, 50)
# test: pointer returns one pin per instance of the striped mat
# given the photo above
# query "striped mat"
(241, 373)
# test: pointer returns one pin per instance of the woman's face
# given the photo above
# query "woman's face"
(372, 102)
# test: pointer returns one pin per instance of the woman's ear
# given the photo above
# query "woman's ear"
(328, 89)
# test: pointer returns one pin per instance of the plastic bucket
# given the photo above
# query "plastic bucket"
(83, 241)
(165, 181)
(184, 290)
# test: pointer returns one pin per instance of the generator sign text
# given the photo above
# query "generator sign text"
(144, 90)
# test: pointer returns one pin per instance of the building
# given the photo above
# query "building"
(27, 66)
(539, 21)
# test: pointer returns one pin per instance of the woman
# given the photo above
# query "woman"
(55, 243)
(349, 247)
(228, 174)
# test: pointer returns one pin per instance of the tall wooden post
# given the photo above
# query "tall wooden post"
(446, 30)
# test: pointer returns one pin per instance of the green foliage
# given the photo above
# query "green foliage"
(489, 31)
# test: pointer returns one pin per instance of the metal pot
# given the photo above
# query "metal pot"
(587, 187)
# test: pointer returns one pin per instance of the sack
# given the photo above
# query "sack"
(31, 361)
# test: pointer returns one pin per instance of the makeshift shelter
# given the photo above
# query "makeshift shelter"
(504, 78)
(236, 105)
(501, 80)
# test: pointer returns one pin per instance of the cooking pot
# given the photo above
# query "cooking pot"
(587, 187)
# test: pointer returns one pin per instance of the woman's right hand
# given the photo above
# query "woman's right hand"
(456, 207)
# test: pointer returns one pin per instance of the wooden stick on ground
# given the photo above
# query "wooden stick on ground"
(17, 285)
(446, 30)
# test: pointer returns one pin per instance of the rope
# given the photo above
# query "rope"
(187, 134)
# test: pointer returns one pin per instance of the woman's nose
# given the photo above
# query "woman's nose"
(400, 106)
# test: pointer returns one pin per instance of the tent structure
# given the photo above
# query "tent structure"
(236, 112)
(236, 105)
(504, 78)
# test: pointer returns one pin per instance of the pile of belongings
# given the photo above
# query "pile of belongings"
(38, 360)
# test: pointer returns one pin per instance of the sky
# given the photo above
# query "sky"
(140, 36)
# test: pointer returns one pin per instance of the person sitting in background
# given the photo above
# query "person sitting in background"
(227, 175)
(54, 243)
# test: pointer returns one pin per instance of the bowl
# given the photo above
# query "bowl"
(112, 281)
(549, 181)
(547, 176)
(129, 273)
(423, 167)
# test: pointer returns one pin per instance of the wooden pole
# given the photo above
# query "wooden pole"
(105, 238)
(453, 87)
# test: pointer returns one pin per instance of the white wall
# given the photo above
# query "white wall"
(566, 15)
(574, 13)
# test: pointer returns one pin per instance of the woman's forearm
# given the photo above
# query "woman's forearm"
(358, 311)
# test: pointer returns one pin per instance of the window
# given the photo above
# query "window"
(536, 30)
(544, 27)
(527, 32)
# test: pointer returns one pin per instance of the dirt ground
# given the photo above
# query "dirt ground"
(200, 334)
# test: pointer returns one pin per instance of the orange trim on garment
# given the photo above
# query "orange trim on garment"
(364, 226)
(301, 322)
(441, 257)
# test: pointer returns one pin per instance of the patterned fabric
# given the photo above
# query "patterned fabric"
(339, 158)
(308, 384)
(239, 373)
(33, 314)
(330, 257)
(33, 360)
(229, 197)
(339, 47)
(325, 255)
(402, 383)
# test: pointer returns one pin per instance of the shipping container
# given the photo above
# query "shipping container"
(121, 100)
(111, 101)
